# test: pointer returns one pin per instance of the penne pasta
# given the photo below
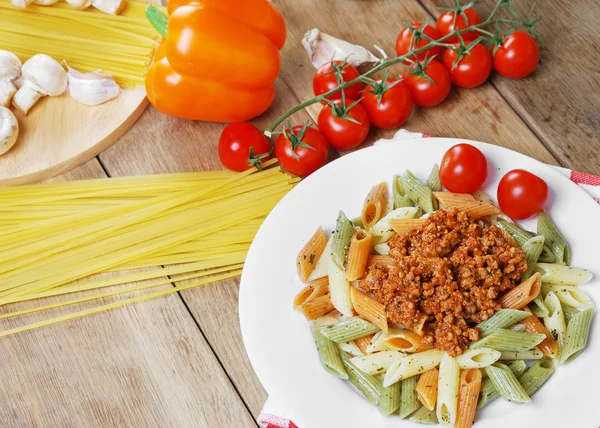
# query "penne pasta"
(509, 341)
(538, 307)
(408, 397)
(562, 275)
(375, 205)
(329, 354)
(536, 376)
(555, 241)
(449, 200)
(350, 348)
(348, 330)
(400, 200)
(569, 296)
(363, 343)
(369, 308)
(478, 358)
(402, 227)
(504, 318)
(341, 239)
(317, 307)
(523, 294)
(433, 179)
(555, 321)
(578, 331)
(358, 254)
(322, 266)
(425, 416)
(390, 399)
(489, 392)
(478, 210)
(412, 365)
(468, 395)
(309, 255)
(569, 312)
(419, 193)
(533, 249)
(382, 231)
(377, 363)
(377, 343)
(339, 289)
(317, 288)
(548, 346)
(448, 390)
(386, 261)
(427, 388)
(405, 341)
(532, 354)
(368, 385)
(507, 384)
(382, 249)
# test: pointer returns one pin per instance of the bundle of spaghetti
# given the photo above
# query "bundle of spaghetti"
(197, 231)
(122, 45)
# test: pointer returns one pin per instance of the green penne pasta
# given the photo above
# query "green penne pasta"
(368, 385)
(554, 240)
(357, 222)
(329, 355)
(350, 329)
(578, 331)
(399, 195)
(554, 274)
(538, 307)
(569, 312)
(488, 390)
(504, 318)
(507, 384)
(433, 180)
(425, 416)
(418, 192)
(521, 236)
(569, 296)
(341, 239)
(409, 402)
(390, 399)
(555, 321)
(509, 341)
(533, 248)
(536, 376)
(402, 202)
(532, 354)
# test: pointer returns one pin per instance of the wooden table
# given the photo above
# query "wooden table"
(179, 361)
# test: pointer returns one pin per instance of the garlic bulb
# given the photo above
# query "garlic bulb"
(92, 88)
(322, 48)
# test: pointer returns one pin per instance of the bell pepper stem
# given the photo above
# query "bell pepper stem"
(158, 20)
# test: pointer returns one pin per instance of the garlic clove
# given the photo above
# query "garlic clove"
(21, 3)
(322, 48)
(92, 88)
(80, 4)
(112, 7)
(9, 130)
(45, 2)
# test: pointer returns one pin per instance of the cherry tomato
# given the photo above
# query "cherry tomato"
(424, 93)
(242, 146)
(472, 70)
(325, 80)
(406, 36)
(463, 169)
(445, 25)
(392, 109)
(521, 194)
(301, 150)
(341, 133)
(517, 56)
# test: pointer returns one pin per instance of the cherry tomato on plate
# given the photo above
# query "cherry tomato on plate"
(325, 80)
(463, 169)
(472, 69)
(445, 24)
(388, 104)
(517, 56)
(242, 146)
(522, 194)
(344, 127)
(301, 150)
(403, 42)
(424, 92)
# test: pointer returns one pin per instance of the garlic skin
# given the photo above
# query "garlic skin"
(322, 48)
(9, 130)
(92, 88)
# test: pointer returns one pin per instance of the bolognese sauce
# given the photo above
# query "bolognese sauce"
(448, 276)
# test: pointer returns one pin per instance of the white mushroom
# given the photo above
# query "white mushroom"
(9, 130)
(92, 88)
(42, 76)
(112, 7)
(10, 71)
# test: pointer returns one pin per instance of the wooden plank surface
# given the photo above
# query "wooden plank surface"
(560, 100)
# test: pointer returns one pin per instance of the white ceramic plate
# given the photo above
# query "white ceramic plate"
(278, 340)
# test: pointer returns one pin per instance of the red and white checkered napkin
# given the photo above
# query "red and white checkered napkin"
(588, 182)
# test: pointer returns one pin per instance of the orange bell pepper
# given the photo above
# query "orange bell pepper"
(219, 61)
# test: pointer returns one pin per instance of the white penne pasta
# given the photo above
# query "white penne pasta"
(555, 321)
(412, 365)
(339, 289)
(478, 358)
(322, 267)
(562, 275)
(378, 343)
(448, 385)
(382, 249)
(383, 227)
(570, 296)
(351, 348)
(377, 363)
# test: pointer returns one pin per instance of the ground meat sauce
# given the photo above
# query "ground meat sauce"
(449, 274)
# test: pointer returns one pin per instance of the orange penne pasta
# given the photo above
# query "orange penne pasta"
(310, 254)
(358, 254)
(468, 394)
(478, 210)
(317, 307)
(549, 347)
(369, 308)
(380, 260)
(406, 341)
(363, 342)
(523, 294)
(375, 205)
(402, 227)
(427, 388)
(449, 200)
(317, 288)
